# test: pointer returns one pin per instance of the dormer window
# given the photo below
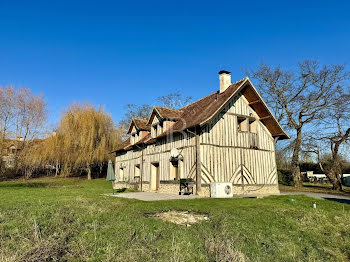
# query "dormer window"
(138, 130)
(160, 128)
(154, 131)
(135, 137)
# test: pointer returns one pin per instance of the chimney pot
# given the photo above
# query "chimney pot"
(225, 80)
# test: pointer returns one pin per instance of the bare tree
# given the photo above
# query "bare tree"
(174, 100)
(300, 97)
(335, 135)
(132, 110)
(22, 119)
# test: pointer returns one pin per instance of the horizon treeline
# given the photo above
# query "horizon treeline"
(81, 143)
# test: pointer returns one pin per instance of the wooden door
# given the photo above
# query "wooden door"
(155, 176)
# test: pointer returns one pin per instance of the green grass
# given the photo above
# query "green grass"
(69, 220)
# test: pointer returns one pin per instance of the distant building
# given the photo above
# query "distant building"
(9, 154)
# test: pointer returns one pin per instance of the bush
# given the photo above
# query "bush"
(285, 177)
(8, 174)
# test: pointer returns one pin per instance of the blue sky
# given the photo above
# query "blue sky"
(112, 53)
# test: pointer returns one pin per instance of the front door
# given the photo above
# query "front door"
(155, 176)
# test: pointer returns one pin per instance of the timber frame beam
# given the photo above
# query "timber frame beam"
(265, 117)
(255, 102)
(198, 162)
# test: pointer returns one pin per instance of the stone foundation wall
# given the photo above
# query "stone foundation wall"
(171, 188)
(256, 190)
(133, 186)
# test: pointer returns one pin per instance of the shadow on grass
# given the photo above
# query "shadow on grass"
(327, 187)
(321, 186)
(37, 185)
(30, 184)
(122, 190)
(339, 200)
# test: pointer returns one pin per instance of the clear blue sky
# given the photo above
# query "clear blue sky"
(113, 53)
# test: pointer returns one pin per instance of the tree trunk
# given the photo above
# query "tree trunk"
(334, 171)
(334, 178)
(88, 169)
(295, 159)
(56, 169)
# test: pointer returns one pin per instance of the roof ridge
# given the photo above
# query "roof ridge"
(213, 93)
(182, 108)
(168, 108)
(136, 118)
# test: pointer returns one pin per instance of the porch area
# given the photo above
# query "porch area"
(153, 196)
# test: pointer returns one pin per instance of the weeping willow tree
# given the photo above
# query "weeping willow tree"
(42, 155)
(86, 135)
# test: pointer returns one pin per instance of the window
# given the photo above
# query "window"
(252, 126)
(174, 170)
(160, 128)
(154, 131)
(137, 173)
(242, 124)
(121, 174)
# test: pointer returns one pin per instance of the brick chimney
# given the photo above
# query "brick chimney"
(225, 80)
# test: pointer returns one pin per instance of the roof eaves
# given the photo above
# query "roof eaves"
(268, 109)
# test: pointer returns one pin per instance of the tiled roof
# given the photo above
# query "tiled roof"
(123, 145)
(203, 110)
(169, 113)
(141, 124)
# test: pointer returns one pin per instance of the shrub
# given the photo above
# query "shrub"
(285, 177)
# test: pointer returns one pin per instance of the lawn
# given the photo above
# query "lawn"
(69, 220)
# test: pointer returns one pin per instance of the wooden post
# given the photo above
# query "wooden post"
(198, 162)
(141, 167)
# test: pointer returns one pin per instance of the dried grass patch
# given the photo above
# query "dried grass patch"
(185, 218)
(224, 249)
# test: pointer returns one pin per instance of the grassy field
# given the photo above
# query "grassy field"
(69, 220)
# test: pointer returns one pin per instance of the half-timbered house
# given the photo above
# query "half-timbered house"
(227, 136)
